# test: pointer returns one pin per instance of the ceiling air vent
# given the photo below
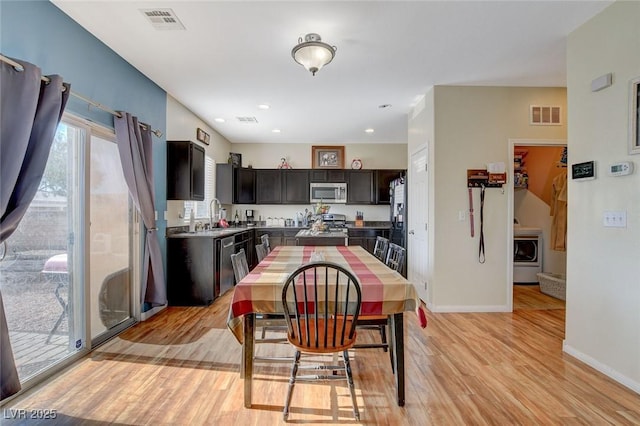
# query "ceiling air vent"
(247, 120)
(163, 19)
(542, 115)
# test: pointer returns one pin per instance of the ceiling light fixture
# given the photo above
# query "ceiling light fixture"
(263, 106)
(219, 120)
(313, 53)
(369, 130)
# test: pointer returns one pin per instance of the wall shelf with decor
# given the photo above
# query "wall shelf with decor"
(520, 175)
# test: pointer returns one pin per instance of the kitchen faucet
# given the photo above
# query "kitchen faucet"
(211, 215)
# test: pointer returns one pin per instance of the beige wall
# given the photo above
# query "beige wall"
(182, 125)
(603, 267)
(373, 156)
(472, 127)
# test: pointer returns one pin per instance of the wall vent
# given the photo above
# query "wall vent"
(247, 120)
(544, 115)
(163, 19)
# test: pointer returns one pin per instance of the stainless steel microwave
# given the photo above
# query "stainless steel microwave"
(328, 192)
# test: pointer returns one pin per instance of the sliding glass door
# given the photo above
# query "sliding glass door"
(66, 273)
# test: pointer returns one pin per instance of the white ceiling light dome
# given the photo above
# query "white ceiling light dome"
(313, 53)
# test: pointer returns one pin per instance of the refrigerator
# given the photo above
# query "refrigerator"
(398, 198)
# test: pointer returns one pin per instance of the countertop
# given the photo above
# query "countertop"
(214, 233)
(181, 232)
(324, 234)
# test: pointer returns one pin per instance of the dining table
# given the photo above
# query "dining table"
(384, 292)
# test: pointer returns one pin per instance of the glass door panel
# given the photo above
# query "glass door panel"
(110, 241)
(41, 273)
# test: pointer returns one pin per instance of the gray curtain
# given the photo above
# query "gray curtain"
(135, 148)
(30, 111)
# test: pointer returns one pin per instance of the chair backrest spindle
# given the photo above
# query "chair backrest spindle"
(329, 315)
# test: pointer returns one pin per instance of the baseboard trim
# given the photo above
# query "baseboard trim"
(468, 308)
(603, 368)
(151, 312)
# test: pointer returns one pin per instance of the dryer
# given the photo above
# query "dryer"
(527, 254)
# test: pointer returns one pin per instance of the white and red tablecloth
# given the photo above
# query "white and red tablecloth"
(384, 291)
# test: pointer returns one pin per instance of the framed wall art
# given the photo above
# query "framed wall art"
(634, 116)
(235, 159)
(202, 136)
(327, 157)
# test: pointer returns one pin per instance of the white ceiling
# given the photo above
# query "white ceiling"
(235, 55)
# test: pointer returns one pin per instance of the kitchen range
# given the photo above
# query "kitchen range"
(328, 230)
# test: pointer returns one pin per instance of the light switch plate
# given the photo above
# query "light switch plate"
(615, 219)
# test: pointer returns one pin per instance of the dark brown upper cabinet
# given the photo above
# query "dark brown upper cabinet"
(384, 178)
(268, 186)
(323, 175)
(185, 171)
(295, 186)
(361, 187)
(235, 185)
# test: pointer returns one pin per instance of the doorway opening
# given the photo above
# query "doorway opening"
(537, 221)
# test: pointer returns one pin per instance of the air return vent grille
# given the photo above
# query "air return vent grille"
(163, 19)
(543, 115)
(247, 120)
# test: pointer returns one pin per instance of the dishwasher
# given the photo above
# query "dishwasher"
(225, 249)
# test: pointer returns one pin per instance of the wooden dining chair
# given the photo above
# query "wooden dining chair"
(240, 265)
(377, 322)
(321, 302)
(395, 257)
(264, 321)
(381, 248)
(265, 242)
(261, 252)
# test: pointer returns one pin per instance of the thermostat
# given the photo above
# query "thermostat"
(621, 169)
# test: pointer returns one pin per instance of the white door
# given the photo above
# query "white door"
(417, 230)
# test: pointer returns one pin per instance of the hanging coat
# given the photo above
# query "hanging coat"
(558, 212)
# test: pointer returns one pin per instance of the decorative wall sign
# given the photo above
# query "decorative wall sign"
(203, 136)
(583, 171)
(327, 157)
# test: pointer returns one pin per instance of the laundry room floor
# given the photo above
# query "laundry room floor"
(528, 297)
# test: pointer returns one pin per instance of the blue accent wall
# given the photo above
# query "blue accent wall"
(40, 33)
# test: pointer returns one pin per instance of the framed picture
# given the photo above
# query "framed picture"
(203, 136)
(236, 159)
(634, 116)
(327, 157)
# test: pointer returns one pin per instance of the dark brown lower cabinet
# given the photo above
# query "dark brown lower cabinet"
(191, 271)
(366, 238)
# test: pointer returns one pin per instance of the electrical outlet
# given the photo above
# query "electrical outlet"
(461, 215)
(615, 219)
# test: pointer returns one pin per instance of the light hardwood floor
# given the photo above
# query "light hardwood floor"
(181, 368)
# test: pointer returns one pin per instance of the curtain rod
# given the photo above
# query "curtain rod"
(19, 67)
